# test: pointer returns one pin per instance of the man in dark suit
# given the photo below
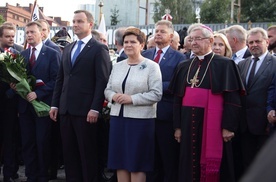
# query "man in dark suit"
(166, 155)
(46, 31)
(78, 98)
(236, 36)
(257, 74)
(43, 63)
(119, 43)
(8, 117)
(55, 131)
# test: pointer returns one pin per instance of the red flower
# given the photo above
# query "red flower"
(105, 103)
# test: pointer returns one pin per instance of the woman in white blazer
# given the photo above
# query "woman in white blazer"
(134, 88)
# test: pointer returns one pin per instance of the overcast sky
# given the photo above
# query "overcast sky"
(58, 8)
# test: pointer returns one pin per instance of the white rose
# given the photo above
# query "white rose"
(2, 57)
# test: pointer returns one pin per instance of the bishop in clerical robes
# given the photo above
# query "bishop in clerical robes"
(207, 105)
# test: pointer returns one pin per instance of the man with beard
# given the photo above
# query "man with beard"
(271, 32)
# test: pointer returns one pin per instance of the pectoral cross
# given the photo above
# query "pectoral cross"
(195, 80)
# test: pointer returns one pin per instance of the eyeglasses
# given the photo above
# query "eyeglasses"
(197, 39)
(255, 41)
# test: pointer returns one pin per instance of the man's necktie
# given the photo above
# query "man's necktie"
(157, 58)
(77, 52)
(32, 58)
(252, 72)
(234, 56)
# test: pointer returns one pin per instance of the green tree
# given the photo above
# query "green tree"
(181, 10)
(114, 16)
(218, 11)
(258, 11)
(2, 20)
(215, 11)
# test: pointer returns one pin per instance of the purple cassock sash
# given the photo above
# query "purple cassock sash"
(212, 142)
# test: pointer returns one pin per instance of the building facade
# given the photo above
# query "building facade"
(21, 15)
(131, 12)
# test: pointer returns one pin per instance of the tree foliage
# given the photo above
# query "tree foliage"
(219, 11)
(2, 20)
(181, 11)
(114, 17)
(258, 11)
(215, 11)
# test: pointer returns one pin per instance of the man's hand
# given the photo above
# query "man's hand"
(92, 116)
(227, 135)
(53, 114)
(177, 135)
(31, 96)
(271, 116)
(13, 86)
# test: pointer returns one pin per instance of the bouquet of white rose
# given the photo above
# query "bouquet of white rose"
(13, 70)
(113, 56)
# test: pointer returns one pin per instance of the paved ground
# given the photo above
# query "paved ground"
(60, 176)
(21, 173)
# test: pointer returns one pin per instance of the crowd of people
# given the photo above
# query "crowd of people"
(201, 111)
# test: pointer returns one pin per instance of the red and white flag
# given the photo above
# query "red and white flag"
(167, 16)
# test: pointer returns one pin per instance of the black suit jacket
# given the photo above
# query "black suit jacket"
(122, 57)
(254, 115)
(51, 44)
(18, 47)
(246, 54)
(80, 87)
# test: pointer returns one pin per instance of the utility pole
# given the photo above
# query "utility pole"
(233, 6)
(146, 10)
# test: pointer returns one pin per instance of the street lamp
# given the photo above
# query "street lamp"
(101, 4)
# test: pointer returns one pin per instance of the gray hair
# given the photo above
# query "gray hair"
(237, 31)
(119, 33)
(256, 30)
(167, 23)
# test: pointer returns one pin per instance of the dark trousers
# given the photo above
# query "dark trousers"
(166, 153)
(250, 146)
(79, 140)
(11, 138)
(55, 150)
(35, 135)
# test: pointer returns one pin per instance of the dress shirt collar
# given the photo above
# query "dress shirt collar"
(86, 39)
(261, 58)
(164, 49)
(38, 47)
(202, 56)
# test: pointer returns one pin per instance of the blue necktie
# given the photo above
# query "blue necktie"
(77, 52)
(234, 57)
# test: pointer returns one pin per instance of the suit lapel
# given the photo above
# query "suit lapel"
(244, 73)
(87, 47)
(262, 68)
(40, 57)
(69, 61)
(166, 57)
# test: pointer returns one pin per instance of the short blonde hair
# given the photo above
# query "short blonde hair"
(228, 50)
